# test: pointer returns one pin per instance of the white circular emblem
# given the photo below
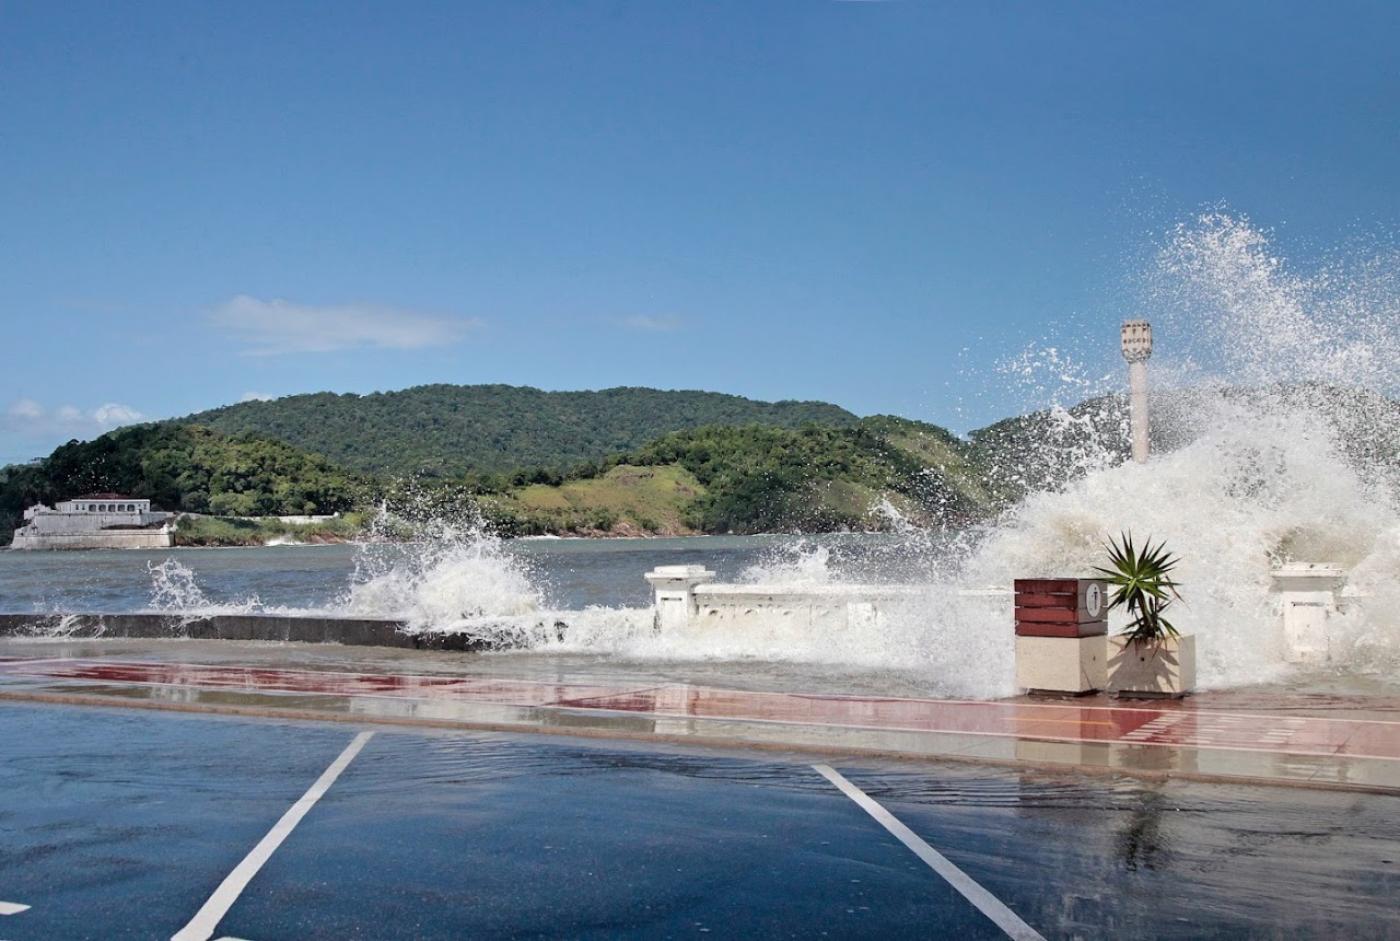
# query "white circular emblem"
(1093, 600)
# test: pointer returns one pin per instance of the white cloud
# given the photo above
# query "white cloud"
(26, 416)
(280, 326)
(651, 323)
(23, 409)
(113, 414)
(256, 397)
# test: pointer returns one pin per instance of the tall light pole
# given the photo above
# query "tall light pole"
(1137, 349)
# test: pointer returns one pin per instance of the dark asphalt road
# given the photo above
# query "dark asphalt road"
(120, 825)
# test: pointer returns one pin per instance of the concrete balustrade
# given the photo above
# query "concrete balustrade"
(673, 594)
(1309, 598)
(686, 597)
(815, 607)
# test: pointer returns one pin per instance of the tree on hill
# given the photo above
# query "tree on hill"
(449, 431)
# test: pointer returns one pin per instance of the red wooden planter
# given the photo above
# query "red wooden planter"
(1061, 607)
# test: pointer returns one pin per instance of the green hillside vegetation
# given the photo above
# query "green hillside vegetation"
(937, 448)
(449, 431)
(183, 468)
(815, 478)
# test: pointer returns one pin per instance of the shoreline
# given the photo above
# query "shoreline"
(357, 539)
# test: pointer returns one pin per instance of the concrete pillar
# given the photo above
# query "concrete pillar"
(1137, 349)
(1137, 383)
(1307, 602)
(673, 593)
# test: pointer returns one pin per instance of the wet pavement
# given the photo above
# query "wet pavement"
(123, 824)
(1276, 736)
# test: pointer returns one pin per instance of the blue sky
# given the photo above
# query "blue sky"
(866, 203)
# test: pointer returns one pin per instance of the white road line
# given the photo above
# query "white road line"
(201, 927)
(12, 908)
(987, 903)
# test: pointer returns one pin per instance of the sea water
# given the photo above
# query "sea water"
(423, 581)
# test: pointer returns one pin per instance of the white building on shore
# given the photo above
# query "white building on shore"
(96, 521)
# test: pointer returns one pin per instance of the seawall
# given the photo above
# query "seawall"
(369, 632)
(101, 539)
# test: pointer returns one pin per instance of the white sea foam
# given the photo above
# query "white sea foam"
(453, 575)
(795, 564)
(175, 589)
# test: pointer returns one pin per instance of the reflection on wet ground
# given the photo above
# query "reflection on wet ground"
(120, 824)
(1261, 734)
(585, 668)
(1319, 694)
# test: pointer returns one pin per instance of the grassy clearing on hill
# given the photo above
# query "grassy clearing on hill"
(625, 500)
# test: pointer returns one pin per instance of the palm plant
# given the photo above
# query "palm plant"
(1142, 583)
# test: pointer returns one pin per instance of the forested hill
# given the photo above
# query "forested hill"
(826, 471)
(449, 430)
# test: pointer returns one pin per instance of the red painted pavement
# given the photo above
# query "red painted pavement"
(1170, 724)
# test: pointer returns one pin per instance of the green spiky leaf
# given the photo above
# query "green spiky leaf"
(1142, 584)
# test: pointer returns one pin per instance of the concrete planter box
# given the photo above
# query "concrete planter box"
(1075, 665)
(1154, 670)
